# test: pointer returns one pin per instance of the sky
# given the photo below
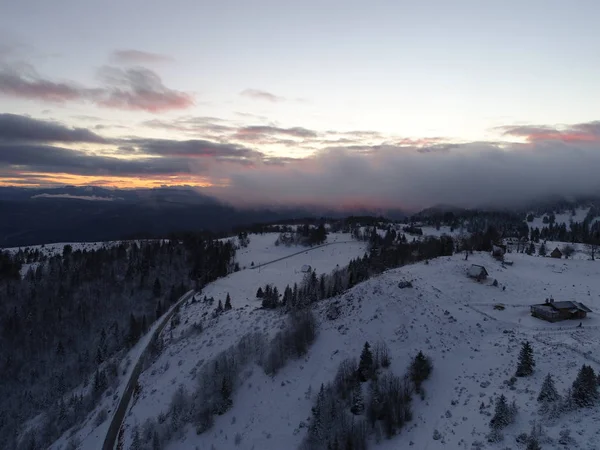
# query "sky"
(384, 103)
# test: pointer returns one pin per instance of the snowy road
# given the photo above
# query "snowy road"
(119, 414)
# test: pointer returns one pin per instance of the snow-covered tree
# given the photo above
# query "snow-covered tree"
(365, 366)
(228, 302)
(526, 362)
(358, 403)
(542, 250)
(503, 416)
(548, 392)
(420, 370)
(585, 387)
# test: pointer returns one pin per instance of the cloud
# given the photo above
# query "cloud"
(406, 173)
(194, 149)
(135, 88)
(51, 159)
(136, 57)
(139, 89)
(25, 129)
(22, 81)
(251, 133)
(581, 132)
(471, 175)
(257, 94)
(94, 198)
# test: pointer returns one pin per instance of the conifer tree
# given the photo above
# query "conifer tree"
(358, 403)
(136, 443)
(420, 370)
(220, 307)
(156, 288)
(316, 426)
(585, 387)
(526, 363)
(548, 393)
(228, 302)
(365, 366)
(502, 414)
(259, 293)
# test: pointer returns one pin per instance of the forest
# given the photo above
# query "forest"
(68, 321)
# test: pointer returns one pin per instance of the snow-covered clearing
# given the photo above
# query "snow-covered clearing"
(560, 218)
(448, 316)
(262, 249)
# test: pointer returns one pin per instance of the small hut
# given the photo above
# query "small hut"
(478, 272)
(556, 253)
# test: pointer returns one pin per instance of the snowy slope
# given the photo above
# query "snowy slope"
(242, 287)
(262, 249)
(450, 317)
(560, 218)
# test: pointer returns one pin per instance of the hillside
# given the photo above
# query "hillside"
(449, 317)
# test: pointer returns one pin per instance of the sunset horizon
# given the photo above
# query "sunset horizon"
(282, 103)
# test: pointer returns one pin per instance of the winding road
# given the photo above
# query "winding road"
(119, 414)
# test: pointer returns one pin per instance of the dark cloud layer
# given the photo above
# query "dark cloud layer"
(410, 174)
(21, 128)
(44, 158)
(470, 175)
(193, 149)
(134, 88)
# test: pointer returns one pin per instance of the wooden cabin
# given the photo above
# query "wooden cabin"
(552, 311)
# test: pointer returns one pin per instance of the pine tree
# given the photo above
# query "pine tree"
(136, 443)
(365, 366)
(156, 288)
(259, 293)
(585, 387)
(228, 302)
(548, 393)
(156, 441)
(220, 307)
(526, 363)
(420, 370)
(502, 414)
(533, 444)
(358, 403)
(542, 251)
(317, 431)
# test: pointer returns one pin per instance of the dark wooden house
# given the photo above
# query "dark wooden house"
(556, 311)
(556, 253)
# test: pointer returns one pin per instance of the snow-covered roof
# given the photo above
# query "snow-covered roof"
(476, 270)
(569, 305)
(305, 268)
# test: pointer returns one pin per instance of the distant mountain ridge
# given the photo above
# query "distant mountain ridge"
(65, 214)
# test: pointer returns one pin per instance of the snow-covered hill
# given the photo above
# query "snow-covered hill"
(448, 316)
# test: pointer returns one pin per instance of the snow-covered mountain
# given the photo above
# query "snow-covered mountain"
(472, 331)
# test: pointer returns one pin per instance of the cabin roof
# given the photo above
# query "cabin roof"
(566, 305)
(477, 269)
